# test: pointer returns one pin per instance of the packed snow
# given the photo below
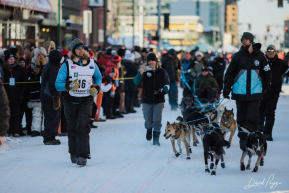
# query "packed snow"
(124, 162)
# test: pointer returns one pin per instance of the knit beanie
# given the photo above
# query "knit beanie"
(2, 52)
(151, 56)
(121, 52)
(248, 36)
(144, 50)
(129, 56)
(116, 59)
(21, 59)
(8, 54)
(108, 51)
(14, 50)
(75, 44)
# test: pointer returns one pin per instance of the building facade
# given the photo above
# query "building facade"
(231, 21)
(19, 21)
(211, 13)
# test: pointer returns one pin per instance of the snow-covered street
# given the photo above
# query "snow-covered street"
(124, 162)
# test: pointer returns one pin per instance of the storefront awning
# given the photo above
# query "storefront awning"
(37, 5)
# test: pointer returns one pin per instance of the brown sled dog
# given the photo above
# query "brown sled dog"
(176, 131)
(228, 123)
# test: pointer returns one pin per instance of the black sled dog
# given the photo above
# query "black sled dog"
(213, 143)
(255, 144)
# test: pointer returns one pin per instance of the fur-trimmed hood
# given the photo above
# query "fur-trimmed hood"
(85, 59)
(7, 66)
(35, 62)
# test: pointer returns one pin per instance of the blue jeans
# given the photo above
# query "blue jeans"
(173, 94)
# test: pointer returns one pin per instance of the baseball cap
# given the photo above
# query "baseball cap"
(271, 46)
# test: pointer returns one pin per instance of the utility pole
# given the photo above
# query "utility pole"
(58, 24)
(159, 24)
(132, 24)
(104, 23)
(214, 30)
(141, 3)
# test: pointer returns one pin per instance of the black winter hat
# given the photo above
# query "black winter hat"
(55, 57)
(248, 36)
(205, 68)
(108, 51)
(172, 52)
(8, 54)
(121, 52)
(151, 56)
(14, 50)
(21, 59)
(144, 50)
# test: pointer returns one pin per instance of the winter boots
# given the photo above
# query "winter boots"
(51, 141)
(81, 161)
(91, 124)
(149, 134)
(35, 133)
(73, 158)
(156, 137)
(118, 115)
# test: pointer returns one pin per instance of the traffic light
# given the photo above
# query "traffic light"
(166, 21)
(277, 37)
(280, 3)
(249, 27)
(286, 30)
(265, 37)
(268, 28)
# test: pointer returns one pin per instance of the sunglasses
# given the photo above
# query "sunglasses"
(270, 50)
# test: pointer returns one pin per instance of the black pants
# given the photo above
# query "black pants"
(15, 123)
(116, 102)
(28, 115)
(247, 114)
(108, 104)
(63, 119)
(94, 109)
(267, 112)
(78, 118)
(129, 99)
(51, 120)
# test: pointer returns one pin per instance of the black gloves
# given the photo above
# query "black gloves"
(226, 93)
(160, 92)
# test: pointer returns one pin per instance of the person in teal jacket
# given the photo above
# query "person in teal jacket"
(155, 85)
(79, 78)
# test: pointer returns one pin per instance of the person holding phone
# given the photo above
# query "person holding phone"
(155, 85)
(111, 67)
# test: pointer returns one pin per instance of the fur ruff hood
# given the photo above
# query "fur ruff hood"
(35, 62)
(7, 66)
(75, 59)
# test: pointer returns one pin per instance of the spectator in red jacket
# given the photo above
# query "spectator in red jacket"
(105, 59)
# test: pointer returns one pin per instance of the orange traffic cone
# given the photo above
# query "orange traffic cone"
(98, 104)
